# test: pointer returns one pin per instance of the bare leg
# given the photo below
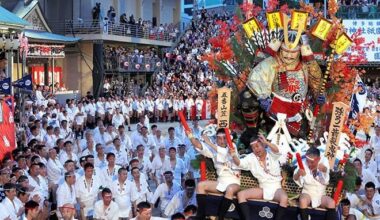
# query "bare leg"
(304, 202)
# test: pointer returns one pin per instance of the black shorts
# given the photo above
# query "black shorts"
(171, 110)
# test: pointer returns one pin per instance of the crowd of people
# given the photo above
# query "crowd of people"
(131, 26)
(79, 159)
(83, 158)
(184, 72)
(142, 59)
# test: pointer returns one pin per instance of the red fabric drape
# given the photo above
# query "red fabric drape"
(7, 130)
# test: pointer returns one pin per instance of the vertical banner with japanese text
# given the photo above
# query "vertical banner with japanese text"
(224, 101)
(337, 120)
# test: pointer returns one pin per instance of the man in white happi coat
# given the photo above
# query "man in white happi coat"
(314, 180)
(13, 209)
(100, 160)
(144, 139)
(349, 213)
(264, 165)
(177, 166)
(38, 183)
(160, 164)
(140, 187)
(171, 140)
(124, 138)
(66, 191)
(123, 193)
(182, 199)
(117, 119)
(369, 162)
(121, 155)
(370, 202)
(109, 172)
(145, 164)
(364, 174)
(54, 168)
(87, 189)
(165, 191)
(105, 208)
(228, 181)
(67, 153)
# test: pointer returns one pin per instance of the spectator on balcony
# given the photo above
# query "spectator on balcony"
(96, 14)
(132, 23)
(111, 14)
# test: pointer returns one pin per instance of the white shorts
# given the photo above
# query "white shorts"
(225, 181)
(269, 189)
(316, 198)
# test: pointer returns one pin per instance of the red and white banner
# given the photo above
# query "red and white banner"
(38, 75)
(7, 128)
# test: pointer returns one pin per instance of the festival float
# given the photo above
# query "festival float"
(286, 73)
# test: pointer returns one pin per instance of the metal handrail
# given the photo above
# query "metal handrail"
(76, 27)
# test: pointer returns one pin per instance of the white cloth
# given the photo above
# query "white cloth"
(315, 186)
(54, 170)
(374, 209)
(110, 213)
(12, 208)
(123, 194)
(4, 212)
(40, 187)
(165, 194)
(66, 194)
(121, 157)
(367, 176)
(108, 175)
(141, 193)
(50, 140)
(228, 173)
(178, 170)
(270, 177)
(64, 156)
(159, 166)
(179, 202)
(87, 193)
(371, 166)
(174, 142)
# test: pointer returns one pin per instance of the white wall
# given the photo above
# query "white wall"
(167, 11)
(147, 10)
(131, 8)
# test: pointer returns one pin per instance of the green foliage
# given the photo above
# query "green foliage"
(349, 177)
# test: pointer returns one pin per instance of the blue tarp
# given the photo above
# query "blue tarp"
(47, 36)
(7, 18)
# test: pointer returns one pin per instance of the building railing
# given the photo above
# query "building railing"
(118, 63)
(359, 12)
(120, 29)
